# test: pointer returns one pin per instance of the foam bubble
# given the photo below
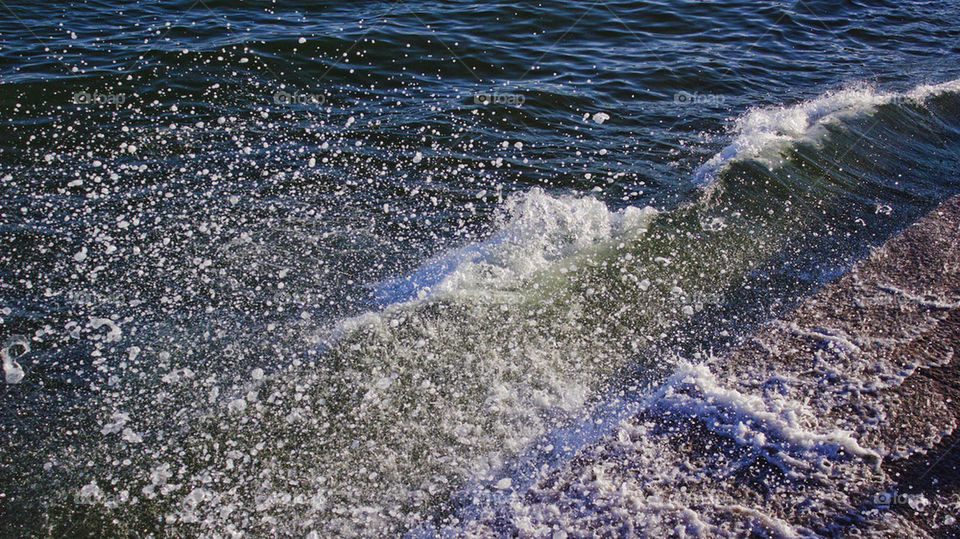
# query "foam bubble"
(12, 371)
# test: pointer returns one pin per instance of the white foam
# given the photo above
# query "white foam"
(113, 330)
(536, 230)
(635, 478)
(763, 132)
(694, 392)
(117, 422)
(13, 373)
(925, 91)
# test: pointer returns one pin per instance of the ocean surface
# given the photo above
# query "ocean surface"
(358, 268)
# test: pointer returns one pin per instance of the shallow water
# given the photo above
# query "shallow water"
(318, 267)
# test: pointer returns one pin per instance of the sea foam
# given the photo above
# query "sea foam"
(536, 230)
(763, 132)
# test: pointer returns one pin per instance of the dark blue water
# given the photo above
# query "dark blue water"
(309, 266)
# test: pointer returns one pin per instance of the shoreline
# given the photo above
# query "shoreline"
(840, 416)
